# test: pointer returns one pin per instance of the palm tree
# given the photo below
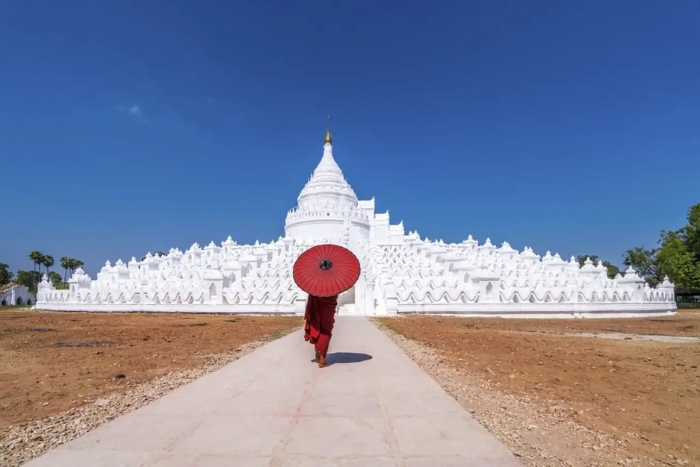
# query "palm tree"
(37, 258)
(48, 262)
(74, 264)
(65, 264)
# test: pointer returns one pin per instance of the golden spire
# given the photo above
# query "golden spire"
(328, 138)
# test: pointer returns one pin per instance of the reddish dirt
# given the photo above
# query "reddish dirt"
(648, 392)
(51, 362)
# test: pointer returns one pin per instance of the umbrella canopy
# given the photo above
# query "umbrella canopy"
(326, 270)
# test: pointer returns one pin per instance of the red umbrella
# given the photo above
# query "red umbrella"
(326, 270)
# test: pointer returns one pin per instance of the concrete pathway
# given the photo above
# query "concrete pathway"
(372, 407)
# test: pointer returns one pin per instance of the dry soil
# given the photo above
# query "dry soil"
(644, 393)
(53, 362)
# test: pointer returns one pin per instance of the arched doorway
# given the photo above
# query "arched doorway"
(20, 301)
(212, 292)
(489, 292)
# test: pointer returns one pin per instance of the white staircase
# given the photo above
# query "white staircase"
(345, 310)
(346, 302)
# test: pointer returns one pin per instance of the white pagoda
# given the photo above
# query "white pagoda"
(401, 273)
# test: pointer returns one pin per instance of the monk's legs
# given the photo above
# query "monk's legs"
(326, 320)
(324, 341)
(322, 362)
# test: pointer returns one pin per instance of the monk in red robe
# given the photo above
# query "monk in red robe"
(320, 318)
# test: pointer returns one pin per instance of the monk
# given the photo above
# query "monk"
(320, 318)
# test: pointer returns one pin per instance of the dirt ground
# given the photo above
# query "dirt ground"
(645, 391)
(52, 362)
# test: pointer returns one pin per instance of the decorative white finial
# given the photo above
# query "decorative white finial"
(329, 138)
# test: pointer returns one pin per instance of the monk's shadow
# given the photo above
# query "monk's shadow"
(346, 357)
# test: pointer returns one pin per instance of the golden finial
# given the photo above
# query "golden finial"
(328, 138)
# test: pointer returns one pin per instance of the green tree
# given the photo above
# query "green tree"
(646, 264)
(679, 254)
(5, 274)
(55, 279)
(75, 264)
(157, 253)
(581, 259)
(612, 269)
(690, 233)
(678, 257)
(677, 261)
(65, 264)
(47, 262)
(29, 279)
(38, 259)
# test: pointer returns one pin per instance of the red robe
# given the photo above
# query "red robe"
(320, 318)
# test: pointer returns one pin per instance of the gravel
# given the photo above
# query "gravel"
(23, 442)
(619, 336)
(540, 434)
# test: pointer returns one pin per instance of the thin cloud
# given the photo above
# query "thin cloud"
(133, 111)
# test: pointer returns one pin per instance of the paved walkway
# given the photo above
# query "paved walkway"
(372, 407)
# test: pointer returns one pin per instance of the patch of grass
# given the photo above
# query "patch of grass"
(191, 325)
(82, 344)
(278, 335)
(16, 308)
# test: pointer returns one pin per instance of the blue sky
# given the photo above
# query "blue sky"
(135, 126)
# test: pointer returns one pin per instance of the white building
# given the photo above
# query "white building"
(401, 273)
(13, 294)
